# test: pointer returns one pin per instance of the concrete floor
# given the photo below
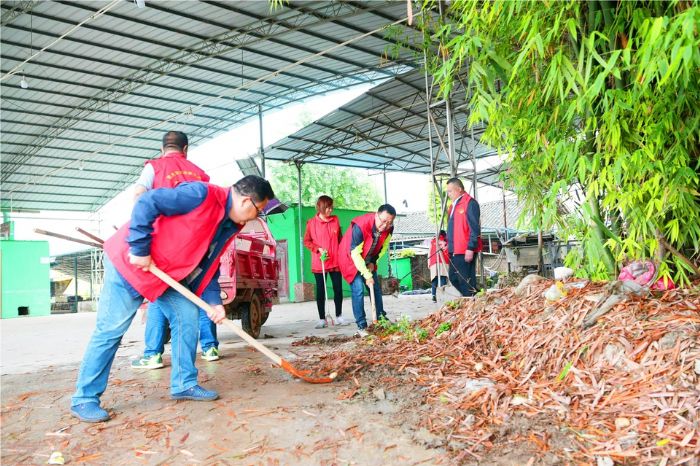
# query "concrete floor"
(263, 416)
(34, 343)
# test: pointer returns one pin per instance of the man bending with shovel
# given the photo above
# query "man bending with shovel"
(363, 244)
(184, 231)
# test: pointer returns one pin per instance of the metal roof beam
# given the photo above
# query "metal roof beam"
(55, 157)
(84, 130)
(53, 104)
(51, 79)
(299, 7)
(71, 149)
(233, 45)
(64, 138)
(78, 178)
(15, 11)
(122, 65)
(178, 50)
(86, 169)
(359, 65)
(125, 104)
(370, 165)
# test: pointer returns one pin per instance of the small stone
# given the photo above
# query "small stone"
(621, 423)
(469, 420)
(669, 340)
(629, 440)
(479, 366)
(56, 458)
(604, 461)
(697, 366)
(562, 273)
(523, 289)
(379, 394)
(427, 438)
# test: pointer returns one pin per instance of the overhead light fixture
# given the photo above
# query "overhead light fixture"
(140, 3)
(23, 83)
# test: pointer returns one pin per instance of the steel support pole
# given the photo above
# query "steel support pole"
(75, 271)
(301, 233)
(386, 198)
(450, 138)
(428, 98)
(262, 147)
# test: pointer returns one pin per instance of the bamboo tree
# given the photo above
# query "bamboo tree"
(598, 98)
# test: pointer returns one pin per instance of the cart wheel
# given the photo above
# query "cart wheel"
(266, 314)
(253, 316)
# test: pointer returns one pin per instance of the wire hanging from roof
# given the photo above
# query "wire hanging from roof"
(95, 15)
(228, 94)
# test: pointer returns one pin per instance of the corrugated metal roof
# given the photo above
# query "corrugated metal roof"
(97, 96)
(387, 128)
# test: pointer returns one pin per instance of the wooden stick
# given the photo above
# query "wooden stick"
(286, 365)
(374, 306)
(89, 235)
(67, 238)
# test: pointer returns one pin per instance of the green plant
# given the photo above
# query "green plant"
(454, 304)
(408, 252)
(420, 333)
(593, 104)
(443, 327)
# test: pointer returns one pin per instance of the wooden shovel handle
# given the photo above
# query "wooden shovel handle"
(371, 297)
(200, 302)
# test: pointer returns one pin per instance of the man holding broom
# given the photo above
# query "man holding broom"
(184, 231)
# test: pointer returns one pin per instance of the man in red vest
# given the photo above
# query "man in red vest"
(168, 171)
(463, 237)
(364, 242)
(184, 231)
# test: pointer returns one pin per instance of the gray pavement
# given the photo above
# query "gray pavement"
(30, 344)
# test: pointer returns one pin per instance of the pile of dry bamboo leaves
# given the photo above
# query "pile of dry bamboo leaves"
(626, 389)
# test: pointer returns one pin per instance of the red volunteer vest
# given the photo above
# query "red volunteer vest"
(461, 226)
(179, 244)
(434, 257)
(320, 234)
(173, 168)
(365, 222)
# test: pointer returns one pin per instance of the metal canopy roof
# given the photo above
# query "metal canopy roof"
(387, 128)
(115, 76)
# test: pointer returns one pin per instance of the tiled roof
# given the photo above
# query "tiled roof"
(415, 225)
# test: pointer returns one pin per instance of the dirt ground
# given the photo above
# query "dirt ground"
(374, 416)
(263, 415)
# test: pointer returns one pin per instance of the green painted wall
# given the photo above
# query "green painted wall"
(286, 227)
(25, 280)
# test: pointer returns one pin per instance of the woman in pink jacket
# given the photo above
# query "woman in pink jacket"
(322, 237)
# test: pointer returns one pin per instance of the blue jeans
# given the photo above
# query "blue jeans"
(116, 310)
(357, 288)
(156, 323)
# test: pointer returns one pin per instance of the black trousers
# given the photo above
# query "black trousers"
(336, 279)
(434, 283)
(463, 274)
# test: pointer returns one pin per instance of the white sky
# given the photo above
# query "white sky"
(217, 157)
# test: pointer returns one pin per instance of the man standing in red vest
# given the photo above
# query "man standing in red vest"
(168, 171)
(463, 237)
(184, 231)
(364, 242)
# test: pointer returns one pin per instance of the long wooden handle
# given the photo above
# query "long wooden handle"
(374, 306)
(200, 302)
